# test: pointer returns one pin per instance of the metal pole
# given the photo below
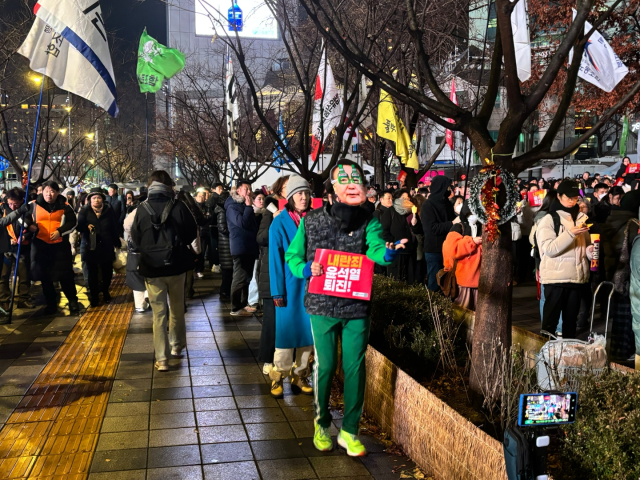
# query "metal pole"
(564, 142)
(146, 130)
(26, 195)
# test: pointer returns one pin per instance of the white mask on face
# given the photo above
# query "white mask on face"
(472, 219)
(601, 196)
(458, 208)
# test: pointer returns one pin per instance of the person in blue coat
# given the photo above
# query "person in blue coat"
(293, 325)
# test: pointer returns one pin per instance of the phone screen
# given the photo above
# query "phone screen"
(547, 409)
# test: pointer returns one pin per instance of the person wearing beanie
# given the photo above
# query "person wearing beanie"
(346, 226)
(565, 250)
(293, 326)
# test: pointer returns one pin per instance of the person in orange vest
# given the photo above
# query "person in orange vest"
(51, 260)
(9, 245)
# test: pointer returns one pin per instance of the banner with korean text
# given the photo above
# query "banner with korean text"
(346, 275)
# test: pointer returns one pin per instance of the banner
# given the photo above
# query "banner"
(279, 158)
(624, 137)
(155, 63)
(231, 102)
(391, 127)
(327, 107)
(633, 168)
(68, 43)
(454, 99)
(599, 64)
(521, 39)
(346, 275)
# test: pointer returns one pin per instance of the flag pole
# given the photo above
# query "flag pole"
(26, 195)
(146, 130)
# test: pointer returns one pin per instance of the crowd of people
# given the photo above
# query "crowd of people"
(262, 243)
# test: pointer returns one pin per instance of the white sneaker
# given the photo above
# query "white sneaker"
(216, 269)
(251, 309)
(200, 275)
(177, 351)
(267, 367)
(162, 365)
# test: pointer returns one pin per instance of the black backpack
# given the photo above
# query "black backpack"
(517, 454)
(166, 248)
(556, 228)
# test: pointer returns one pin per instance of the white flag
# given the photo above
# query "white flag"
(521, 41)
(327, 107)
(366, 119)
(600, 65)
(68, 43)
(231, 104)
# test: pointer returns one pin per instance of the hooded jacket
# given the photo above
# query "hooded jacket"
(459, 245)
(437, 215)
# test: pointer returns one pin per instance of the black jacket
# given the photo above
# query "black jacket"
(437, 215)
(107, 230)
(379, 211)
(224, 250)
(396, 226)
(243, 228)
(181, 221)
(116, 204)
(208, 218)
(5, 238)
(264, 287)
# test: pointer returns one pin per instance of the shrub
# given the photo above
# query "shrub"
(402, 317)
(604, 441)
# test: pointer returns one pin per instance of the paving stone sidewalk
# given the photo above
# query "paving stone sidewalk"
(211, 416)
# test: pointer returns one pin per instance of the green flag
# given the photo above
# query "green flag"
(625, 136)
(156, 62)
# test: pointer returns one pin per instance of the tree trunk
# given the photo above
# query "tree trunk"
(493, 312)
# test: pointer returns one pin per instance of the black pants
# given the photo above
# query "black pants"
(24, 283)
(268, 333)
(242, 275)
(566, 300)
(227, 278)
(205, 247)
(68, 287)
(214, 256)
(100, 275)
(404, 269)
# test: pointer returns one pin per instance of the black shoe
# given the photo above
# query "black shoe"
(50, 309)
(106, 297)
(26, 304)
(74, 307)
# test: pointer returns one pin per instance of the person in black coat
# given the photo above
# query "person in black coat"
(437, 217)
(98, 224)
(400, 222)
(224, 249)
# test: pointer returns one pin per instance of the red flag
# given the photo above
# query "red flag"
(454, 99)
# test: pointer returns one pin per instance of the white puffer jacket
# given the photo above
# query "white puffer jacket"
(564, 257)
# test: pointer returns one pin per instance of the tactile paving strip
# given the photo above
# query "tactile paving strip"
(53, 431)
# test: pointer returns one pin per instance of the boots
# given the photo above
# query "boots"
(301, 384)
(277, 379)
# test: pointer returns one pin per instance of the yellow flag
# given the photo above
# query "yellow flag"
(387, 117)
(391, 127)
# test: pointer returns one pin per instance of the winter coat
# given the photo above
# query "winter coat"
(293, 324)
(379, 211)
(224, 250)
(208, 219)
(437, 215)
(116, 204)
(612, 239)
(182, 222)
(133, 279)
(396, 226)
(264, 286)
(468, 254)
(107, 232)
(634, 291)
(564, 258)
(5, 237)
(243, 228)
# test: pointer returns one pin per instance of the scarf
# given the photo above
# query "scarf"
(296, 216)
(402, 206)
(574, 211)
(157, 187)
(351, 217)
(98, 212)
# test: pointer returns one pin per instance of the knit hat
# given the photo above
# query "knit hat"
(95, 191)
(570, 188)
(296, 184)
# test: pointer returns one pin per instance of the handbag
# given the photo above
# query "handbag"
(447, 281)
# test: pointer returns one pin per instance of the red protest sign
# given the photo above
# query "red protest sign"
(619, 182)
(346, 275)
(402, 176)
(536, 198)
(633, 168)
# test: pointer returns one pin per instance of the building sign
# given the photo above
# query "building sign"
(257, 19)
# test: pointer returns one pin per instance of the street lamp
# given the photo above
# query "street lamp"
(62, 130)
(90, 136)
(36, 80)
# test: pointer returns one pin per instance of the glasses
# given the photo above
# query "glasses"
(345, 179)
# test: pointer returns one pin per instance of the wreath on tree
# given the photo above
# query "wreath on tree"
(483, 193)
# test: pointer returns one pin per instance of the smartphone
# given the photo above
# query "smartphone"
(543, 409)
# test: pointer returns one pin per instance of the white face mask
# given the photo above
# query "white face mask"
(602, 195)
(458, 208)
(472, 219)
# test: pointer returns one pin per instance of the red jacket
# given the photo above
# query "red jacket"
(468, 254)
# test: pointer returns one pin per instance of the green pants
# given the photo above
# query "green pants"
(355, 337)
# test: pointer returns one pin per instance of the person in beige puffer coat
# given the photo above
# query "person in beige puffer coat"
(565, 260)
